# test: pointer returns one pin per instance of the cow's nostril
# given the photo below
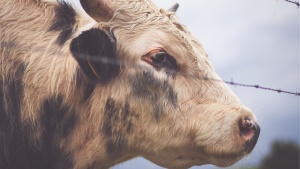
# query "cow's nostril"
(247, 128)
(249, 132)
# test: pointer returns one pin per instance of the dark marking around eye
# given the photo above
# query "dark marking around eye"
(145, 86)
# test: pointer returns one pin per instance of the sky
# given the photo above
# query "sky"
(251, 42)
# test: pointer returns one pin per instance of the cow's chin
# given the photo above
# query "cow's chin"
(225, 161)
(185, 160)
(176, 161)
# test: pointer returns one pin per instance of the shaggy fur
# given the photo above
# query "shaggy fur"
(62, 107)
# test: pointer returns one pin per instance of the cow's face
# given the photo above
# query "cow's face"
(163, 100)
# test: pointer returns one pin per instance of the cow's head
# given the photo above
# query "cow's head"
(157, 93)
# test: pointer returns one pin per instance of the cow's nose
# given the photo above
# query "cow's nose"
(249, 131)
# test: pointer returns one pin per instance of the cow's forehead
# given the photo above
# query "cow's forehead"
(133, 18)
(144, 14)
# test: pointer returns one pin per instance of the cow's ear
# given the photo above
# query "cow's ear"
(95, 52)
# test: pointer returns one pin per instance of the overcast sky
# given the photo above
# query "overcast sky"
(251, 42)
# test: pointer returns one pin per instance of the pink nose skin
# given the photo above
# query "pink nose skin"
(249, 131)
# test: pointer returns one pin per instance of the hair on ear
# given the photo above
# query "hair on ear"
(95, 52)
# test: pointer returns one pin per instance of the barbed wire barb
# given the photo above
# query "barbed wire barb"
(294, 2)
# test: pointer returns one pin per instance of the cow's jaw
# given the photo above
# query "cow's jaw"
(187, 159)
(221, 147)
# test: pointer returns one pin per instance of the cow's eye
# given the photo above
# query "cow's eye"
(159, 57)
(161, 60)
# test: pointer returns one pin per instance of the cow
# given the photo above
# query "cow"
(91, 88)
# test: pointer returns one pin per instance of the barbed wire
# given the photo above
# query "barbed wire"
(294, 2)
(139, 66)
(261, 87)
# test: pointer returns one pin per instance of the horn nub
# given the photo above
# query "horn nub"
(174, 8)
(99, 10)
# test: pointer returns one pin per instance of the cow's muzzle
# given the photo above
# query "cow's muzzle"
(249, 131)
